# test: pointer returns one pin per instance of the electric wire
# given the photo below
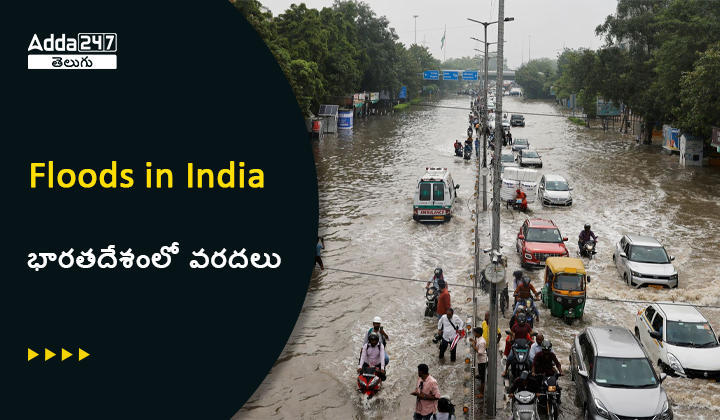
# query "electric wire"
(604, 299)
(504, 110)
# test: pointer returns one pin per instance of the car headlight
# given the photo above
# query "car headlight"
(528, 256)
(635, 273)
(674, 277)
(675, 363)
(601, 410)
(666, 413)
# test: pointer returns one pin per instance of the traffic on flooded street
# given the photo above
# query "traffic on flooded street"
(368, 181)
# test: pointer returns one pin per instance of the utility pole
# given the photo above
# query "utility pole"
(415, 16)
(491, 394)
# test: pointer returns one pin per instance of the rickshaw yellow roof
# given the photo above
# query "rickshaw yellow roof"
(562, 264)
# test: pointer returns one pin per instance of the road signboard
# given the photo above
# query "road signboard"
(470, 75)
(431, 75)
(451, 74)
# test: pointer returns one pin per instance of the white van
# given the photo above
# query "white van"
(434, 196)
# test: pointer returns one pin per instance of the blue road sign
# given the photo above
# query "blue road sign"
(470, 75)
(403, 93)
(431, 75)
(451, 75)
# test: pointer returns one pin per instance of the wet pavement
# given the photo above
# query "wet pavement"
(366, 181)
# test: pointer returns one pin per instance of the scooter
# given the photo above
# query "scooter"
(524, 406)
(369, 382)
(431, 301)
(459, 151)
(468, 152)
(588, 249)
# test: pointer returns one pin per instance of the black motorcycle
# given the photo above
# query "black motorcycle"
(588, 249)
(549, 397)
(459, 151)
(468, 152)
(520, 352)
(431, 301)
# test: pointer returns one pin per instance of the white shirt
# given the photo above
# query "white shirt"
(373, 355)
(448, 332)
(535, 349)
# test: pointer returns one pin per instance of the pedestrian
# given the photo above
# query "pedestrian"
(509, 136)
(480, 346)
(378, 329)
(449, 326)
(426, 393)
(318, 251)
(477, 146)
(443, 299)
(445, 410)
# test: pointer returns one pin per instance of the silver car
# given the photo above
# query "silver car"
(519, 144)
(553, 190)
(642, 260)
(614, 378)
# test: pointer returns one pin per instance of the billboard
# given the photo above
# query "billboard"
(606, 108)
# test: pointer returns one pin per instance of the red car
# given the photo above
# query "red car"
(539, 239)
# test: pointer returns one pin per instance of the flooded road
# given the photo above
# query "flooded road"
(366, 179)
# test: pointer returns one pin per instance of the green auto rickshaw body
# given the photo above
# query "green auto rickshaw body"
(565, 287)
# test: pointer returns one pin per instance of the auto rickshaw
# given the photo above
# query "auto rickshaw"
(565, 287)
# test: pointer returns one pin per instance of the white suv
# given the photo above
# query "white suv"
(642, 260)
(679, 339)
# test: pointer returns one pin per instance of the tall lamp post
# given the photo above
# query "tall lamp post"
(415, 17)
(491, 392)
(485, 122)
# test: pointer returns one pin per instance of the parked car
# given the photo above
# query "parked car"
(528, 157)
(519, 144)
(554, 190)
(642, 260)
(507, 160)
(517, 120)
(539, 239)
(614, 378)
(679, 339)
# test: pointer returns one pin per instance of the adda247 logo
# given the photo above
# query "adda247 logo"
(85, 50)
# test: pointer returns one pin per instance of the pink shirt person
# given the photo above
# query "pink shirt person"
(427, 386)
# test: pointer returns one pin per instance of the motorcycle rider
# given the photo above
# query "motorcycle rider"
(521, 329)
(521, 305)
(520, 195)
(545, 362)
(524, 290)
(585, 235)
(378, 329)
(536, 347)
(373, 354)
(437, 276)
(458, 147)
(443, 299)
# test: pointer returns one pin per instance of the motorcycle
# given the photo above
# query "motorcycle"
(524, 406)
(431, 301)
(468, 152)
(516, 204)
(520, 351)
(588, 249)
(549, 398)
(459, 151)
(369, 382)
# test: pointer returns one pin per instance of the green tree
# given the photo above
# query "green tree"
(536, 77)
(699, 107)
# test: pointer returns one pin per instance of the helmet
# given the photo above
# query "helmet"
(438, 272)
(587, 226)
(546, 345)
(373, 337)
(521, 318)
(526, 280)
(517, 274)
(377, 319)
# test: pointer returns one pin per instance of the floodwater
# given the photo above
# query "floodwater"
(366, 180)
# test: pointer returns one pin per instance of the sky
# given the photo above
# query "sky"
(542, 28)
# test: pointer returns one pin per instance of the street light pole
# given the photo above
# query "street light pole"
(491, 395)
(415, 16)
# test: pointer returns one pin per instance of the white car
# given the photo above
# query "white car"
(554, 190)
(529, 158)
(679, 339)
(642, 260)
